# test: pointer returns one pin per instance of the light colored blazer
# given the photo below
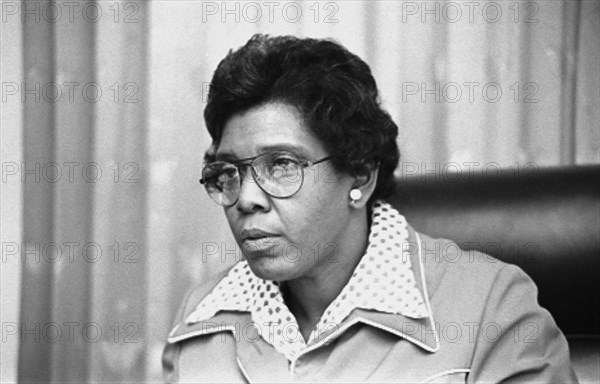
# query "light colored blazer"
(486, 327)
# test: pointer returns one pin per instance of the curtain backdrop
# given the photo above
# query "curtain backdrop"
(104, 223)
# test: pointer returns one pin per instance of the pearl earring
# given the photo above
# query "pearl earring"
(355, 195)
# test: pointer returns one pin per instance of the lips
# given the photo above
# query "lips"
(258, 242)
(256, 234)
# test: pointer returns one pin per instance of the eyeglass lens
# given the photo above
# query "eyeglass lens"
(278, 174)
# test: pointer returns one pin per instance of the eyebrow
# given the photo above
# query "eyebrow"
(294, 149)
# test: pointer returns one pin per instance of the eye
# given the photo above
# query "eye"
(219, 175)
(224, 178)
(284, 161)
(226, 174)
(283, 167)
(283, 164)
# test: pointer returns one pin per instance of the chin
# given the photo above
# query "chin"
(273, 268)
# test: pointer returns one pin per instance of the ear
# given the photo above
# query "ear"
(365, 183)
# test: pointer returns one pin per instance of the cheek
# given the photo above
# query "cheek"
(316, 215)
(232, 217)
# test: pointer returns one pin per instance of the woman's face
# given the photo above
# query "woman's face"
(298, 236)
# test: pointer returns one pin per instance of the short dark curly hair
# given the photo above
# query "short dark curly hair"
(332, 88)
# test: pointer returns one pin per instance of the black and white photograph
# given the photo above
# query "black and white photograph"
(311, 191)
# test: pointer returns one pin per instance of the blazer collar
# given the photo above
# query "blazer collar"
(420, 331)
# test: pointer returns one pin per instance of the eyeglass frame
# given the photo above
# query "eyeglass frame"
(238, 164)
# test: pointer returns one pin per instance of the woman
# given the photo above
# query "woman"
(335, 285)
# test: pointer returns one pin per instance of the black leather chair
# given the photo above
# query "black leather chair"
(547, 221)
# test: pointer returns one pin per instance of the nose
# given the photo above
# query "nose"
(252, 198)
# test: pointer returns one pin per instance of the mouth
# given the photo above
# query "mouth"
(256, 234)
(257, 238)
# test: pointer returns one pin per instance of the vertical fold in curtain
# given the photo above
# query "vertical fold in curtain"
(568, 73)
(587, 113)
(119, 283)
(74, 63)
(38, 210)
(84, 137)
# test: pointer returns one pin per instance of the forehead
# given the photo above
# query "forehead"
(269, 127)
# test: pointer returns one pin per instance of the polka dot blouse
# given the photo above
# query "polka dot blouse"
(382, 281)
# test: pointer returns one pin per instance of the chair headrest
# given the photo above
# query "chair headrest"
(547, 221)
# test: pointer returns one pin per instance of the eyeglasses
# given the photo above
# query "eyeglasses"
(278, 174)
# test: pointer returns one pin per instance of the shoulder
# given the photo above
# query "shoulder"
(445, 262)
(196, 294)
(185, 348)
(471, 285)
(494, 304)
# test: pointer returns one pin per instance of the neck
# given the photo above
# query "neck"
(309, 296)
